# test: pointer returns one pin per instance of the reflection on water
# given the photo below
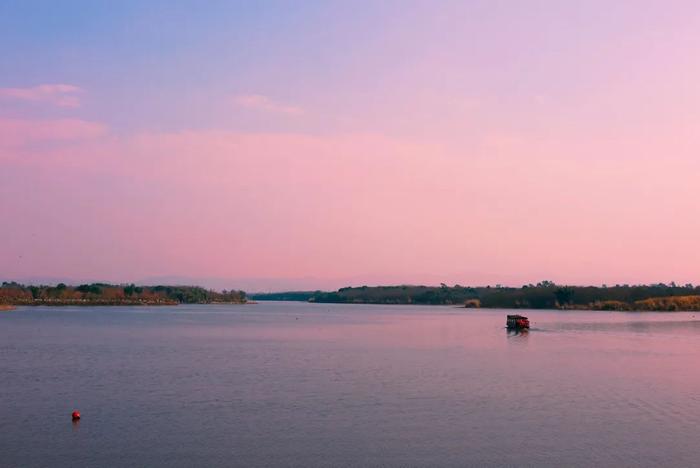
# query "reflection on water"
(279, 384)
(520, 333)
(633, 325)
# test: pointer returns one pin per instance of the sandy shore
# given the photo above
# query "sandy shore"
(5, 307)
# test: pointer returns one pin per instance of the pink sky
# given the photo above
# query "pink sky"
(575, 162)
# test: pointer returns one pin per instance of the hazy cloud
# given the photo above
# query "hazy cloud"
(18, 132)
(61, 95)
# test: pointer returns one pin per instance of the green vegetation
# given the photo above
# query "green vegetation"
(108, 294)
(544, 295)
(286, 296)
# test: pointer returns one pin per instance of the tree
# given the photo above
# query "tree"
(89, 288)
(564, 295)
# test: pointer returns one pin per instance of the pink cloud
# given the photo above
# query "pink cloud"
(18, 132)
(61, 95)
(264, 103)
(228, 204)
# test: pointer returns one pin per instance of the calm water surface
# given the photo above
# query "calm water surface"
(294, 384)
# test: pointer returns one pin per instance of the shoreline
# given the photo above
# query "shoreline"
(544, 295)
(581, 308)
(103, 294)
(112, 304)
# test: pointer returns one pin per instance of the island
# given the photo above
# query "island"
(543, 295)
(13, 294)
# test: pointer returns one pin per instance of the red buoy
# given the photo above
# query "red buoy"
(75, 415)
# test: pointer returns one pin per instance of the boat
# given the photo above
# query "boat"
(517, 322)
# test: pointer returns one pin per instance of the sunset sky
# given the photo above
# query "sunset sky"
(281, 145)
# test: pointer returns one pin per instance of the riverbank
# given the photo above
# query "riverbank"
(93, 303)
(102, 294)
(545, 295)
(6, 307)
(90, 302)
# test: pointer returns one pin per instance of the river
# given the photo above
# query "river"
(296, 384)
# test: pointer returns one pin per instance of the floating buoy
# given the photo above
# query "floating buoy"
(75, 415)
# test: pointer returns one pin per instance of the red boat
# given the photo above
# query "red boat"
(517, 322)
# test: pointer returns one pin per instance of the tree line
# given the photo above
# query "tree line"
(110, 294)
(543, 295)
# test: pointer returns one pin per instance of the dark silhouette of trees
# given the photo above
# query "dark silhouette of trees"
(564, 295)
(543, 295)
(106, 294)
